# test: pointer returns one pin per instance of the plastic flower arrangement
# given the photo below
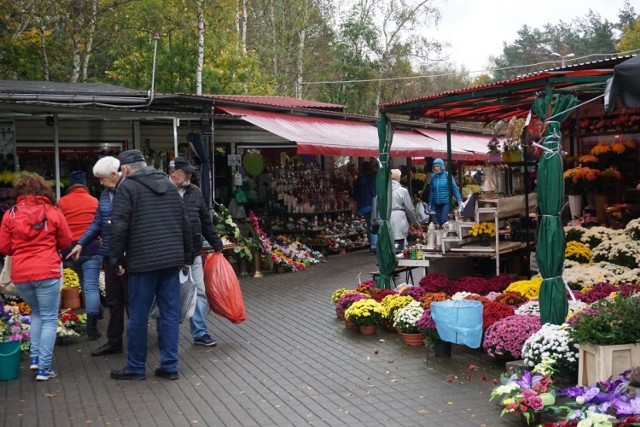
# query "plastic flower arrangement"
(483, 231)
(226, 227)
(406, 318)
(13, 325)
(527, 288)
(427, 326)
(505, 338)
(525, 394)
(576, 251)
(68, 322)
(347, 299)
(70, 279)
(608, 322)
(552, 340)
(365, 312)
(493, 311)
(513, 134)
(393, 303)
(605, 398)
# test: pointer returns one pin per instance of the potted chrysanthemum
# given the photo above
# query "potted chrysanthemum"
(406, 320)
(555, 340)
(366, 314)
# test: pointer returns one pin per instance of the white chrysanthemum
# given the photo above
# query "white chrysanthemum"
(462, 295)
(529, 307)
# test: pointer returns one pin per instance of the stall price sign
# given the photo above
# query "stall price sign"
(234, 160)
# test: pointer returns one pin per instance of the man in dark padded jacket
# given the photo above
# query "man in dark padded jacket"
(180, 170)
(149, 224)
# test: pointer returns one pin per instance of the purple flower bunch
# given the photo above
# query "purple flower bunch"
(415, 292)
(427, 326)
(604, 397)
(346, 300)
(505, 338)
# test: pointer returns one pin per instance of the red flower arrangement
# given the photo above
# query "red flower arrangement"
(435, 283)
(480, 298)
(515, 299)
(493, 311)
(379, 294)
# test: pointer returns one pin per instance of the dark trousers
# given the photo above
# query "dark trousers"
(117, 299)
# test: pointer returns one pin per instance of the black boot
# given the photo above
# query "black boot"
(92, 327)
(108, 348)
(100, 312)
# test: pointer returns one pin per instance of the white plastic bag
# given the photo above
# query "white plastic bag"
(188, 297)
(422, 214)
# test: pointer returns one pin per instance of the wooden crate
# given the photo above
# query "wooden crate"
(599, 362)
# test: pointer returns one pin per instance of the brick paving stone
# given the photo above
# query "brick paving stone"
(291, 363)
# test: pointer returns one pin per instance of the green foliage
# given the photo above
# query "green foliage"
(608, 322)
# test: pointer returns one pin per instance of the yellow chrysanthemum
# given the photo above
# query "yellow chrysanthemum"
(578, 252)
(528, 288)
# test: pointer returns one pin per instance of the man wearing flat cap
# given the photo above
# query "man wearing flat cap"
(149, 224)
(180, 170)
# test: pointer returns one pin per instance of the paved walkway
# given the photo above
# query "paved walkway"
(292, 363)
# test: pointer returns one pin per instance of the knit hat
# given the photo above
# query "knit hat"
(78, 178)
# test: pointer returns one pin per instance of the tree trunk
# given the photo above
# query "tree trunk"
(45, 58)
(89, 46)
(243, 45)
(200, 61)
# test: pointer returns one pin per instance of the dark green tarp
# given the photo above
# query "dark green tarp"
(386, 252)
(550, 246)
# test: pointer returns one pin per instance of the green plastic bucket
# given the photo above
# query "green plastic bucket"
(9, 360)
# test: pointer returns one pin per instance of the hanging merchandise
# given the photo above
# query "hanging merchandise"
(253, 163)
(237, 179)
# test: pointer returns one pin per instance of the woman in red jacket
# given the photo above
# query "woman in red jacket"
(33, 232)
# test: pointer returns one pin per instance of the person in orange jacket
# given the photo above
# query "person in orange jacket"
(33, 232)
(79, 208)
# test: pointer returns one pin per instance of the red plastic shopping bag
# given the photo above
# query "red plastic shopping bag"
(223, 289)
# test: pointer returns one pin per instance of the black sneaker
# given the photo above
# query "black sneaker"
(205, 340)
(166, 374)
(124, 374)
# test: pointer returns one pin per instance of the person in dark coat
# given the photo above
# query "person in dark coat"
(149, 224)
(180, 170)
(106, 170)
(364, 190)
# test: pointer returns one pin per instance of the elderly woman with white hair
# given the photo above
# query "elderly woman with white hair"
(107, 171)
(402, 212)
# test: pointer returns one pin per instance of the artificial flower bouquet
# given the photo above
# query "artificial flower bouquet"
(14, 326)
(525, 393)
(406, 318)
(69, 323)
(365, 312)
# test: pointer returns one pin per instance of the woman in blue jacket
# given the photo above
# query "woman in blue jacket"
(439, 192)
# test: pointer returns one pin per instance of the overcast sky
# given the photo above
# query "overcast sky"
(476, 29)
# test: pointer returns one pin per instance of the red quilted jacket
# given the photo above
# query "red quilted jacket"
(33, 232)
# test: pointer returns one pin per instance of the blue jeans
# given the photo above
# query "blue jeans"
(442, 213)
(43, 296)
(164, 286)
(197, 323)
(88, 270)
